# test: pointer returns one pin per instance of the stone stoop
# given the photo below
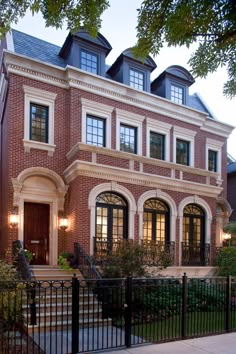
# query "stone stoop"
(191, 272)
(53, 302)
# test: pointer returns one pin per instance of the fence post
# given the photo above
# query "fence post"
(128, 311)
(184, 305)
(75, 315)
(228, 304)
(33, 304)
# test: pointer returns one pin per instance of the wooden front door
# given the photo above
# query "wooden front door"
(36, 231)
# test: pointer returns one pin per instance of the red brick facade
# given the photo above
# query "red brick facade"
(137, 174)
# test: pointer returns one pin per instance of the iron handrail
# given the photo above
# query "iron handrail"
(20, 262)
(84, 263)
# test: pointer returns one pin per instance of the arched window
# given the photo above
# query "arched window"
(111, 218)
(193, 225)
(156, 221)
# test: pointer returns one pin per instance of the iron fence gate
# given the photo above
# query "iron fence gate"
(80, 316)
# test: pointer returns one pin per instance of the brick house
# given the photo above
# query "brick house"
(118, 155)
(231, 186)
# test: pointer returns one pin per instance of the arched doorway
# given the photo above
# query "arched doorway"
(111, 221)
(39, 195)
(156, 221)
(194, 249)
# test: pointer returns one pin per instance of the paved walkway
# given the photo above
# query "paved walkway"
(221, 344)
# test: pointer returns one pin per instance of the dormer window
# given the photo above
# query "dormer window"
(177, 94)
(136, 79)
(88, 61)
(173, 84)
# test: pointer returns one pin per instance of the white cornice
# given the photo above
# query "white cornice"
(73, 77)
(217, 128)
(142, 159)
(82, 168)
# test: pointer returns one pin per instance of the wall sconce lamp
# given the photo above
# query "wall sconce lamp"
(227, 236)
(63, 223)
(14, 218)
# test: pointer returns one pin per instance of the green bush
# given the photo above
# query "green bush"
(161, 299)
(63, 263)
(126, 261)
(12, 296)
(226, 261)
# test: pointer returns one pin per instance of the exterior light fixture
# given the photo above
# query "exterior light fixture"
(14, 218)
(63, 223)
(227, 236)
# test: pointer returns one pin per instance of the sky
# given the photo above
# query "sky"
(118, 27)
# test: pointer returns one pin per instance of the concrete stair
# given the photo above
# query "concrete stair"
(54, 273)
(53, 302)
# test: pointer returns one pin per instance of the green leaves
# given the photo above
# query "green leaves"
(75, 13)
(212, 24)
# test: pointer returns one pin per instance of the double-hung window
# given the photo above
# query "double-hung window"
(89, 61)
(136, 79)
(38, 123)
(212, 160)
(177, 94)
(95, 131)
(128, 138)
(157, 145)
(182, 152)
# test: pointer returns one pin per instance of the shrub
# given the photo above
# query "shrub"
(12, 296)
(126, 261)
(63, 263)
(226, 261)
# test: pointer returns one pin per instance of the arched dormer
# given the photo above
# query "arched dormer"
(85, 52)
(173, 84)
(132, 71)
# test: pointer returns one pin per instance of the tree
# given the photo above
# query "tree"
(211, 24)
(55, 12)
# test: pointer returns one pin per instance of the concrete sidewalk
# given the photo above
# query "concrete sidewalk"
(221, 344)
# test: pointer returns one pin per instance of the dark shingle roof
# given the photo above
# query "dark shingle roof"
(36, 48)
(195, 102)
(231, 168)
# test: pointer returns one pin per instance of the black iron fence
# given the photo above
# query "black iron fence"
(80, 316)
(154, 252)
(195, 254)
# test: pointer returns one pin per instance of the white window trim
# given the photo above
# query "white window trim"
(215, 145)
(44, 98)
(160, 128)
(98, 110)
(186, 135)
(133, 120)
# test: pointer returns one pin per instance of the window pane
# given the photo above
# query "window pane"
(182, 152)
(136, 79)
(89, 62)
(38, 123)
(128, 139)
(157, 146)
(212, 161)
(176, 94)
(95, 131)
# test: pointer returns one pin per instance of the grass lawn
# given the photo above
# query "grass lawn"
(198, 323)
